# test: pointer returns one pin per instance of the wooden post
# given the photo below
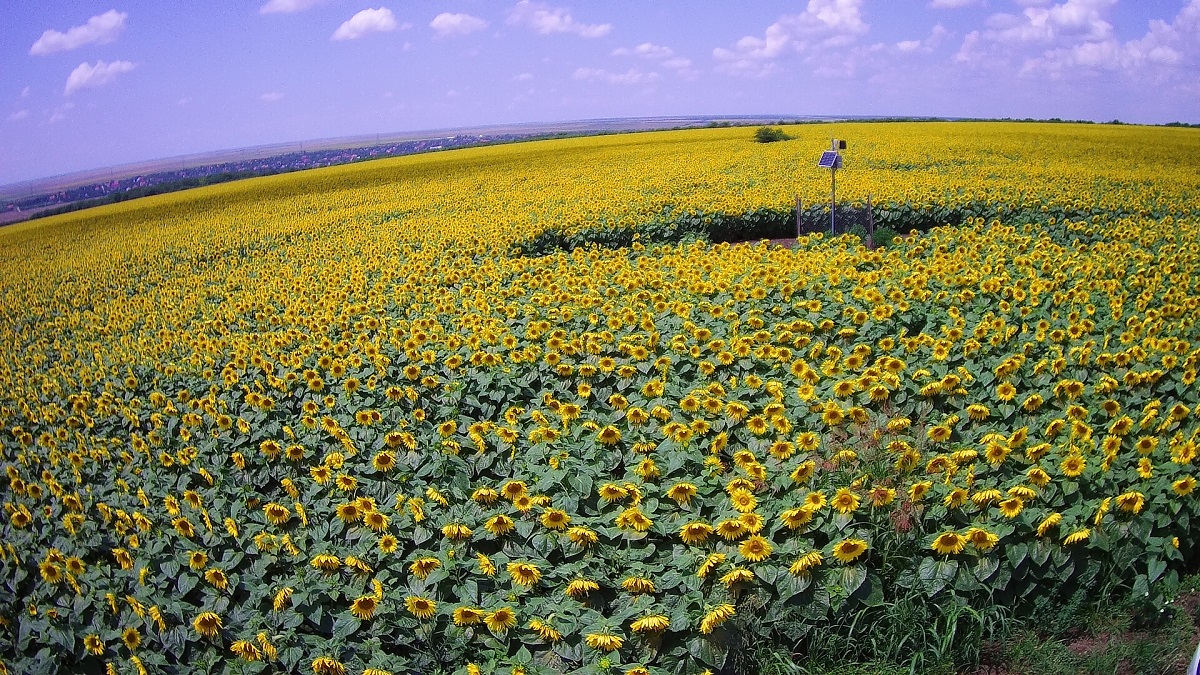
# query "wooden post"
(799, 206)
(870, 223)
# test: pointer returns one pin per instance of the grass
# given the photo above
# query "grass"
(1076, 637)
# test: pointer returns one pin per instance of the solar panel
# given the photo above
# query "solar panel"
(829, 159)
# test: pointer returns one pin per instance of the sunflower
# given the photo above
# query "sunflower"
(805, 563)
(388, 543)
(653, 623)
(207, 624)
(797, 517)
(501, 620)
(633, 518)
(1131, 502)
(484, 495)
(881, 496)
(743, 500)
(364, 607)
(578, 588)
(682, 493)
(282, 599)
(456, 531)
(1011, 507)
(609, 435)
(245, 650)
(755, 549)
(695, 533)
(420, 607)
(605, 642)
(582, 536)
(847, 550)
(716, 617)
(845, 501)
(468, 616)
(1184, 486)
(1006, 392)
(327, 665)
(949, 543)
(513, 489)
(737, 575)
(524, 574)
(610, 492)
(375, 520)
(217, 578)
(499, 525)
(555, 519)
(917, 491)
(1077, 537)
(423, 567)
(981, 539)
(486, 566)
(637, 585)
(277, 514)
(349, 512)
(731, 530)
(132, 638)
(1048, 522)
(709, 564)
(545, 631)
(816, 500)
(384, 461)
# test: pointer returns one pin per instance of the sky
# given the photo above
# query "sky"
(86, 84)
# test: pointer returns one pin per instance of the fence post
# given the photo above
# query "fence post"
(799, 206)
(870, 223)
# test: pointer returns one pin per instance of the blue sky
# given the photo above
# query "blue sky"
(87, 84)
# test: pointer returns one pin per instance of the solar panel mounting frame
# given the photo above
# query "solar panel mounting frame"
(829, 159)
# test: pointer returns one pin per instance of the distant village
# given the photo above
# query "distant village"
(182, 178)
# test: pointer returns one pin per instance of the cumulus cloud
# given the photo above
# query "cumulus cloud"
(524, 77)
(100, 29)
(365, 22)
(447, 24)
(287, 6)
(271, 96)
(543, 19)
(631, 76)
(664, 56)
(646, 50)
(951, 4)
(1076, 35)
(87, 75)
(823, 24)
(60, 113)
(18, 115)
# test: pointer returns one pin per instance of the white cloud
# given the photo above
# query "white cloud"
(100, 29)
(546, 20)
(271, 96)
(524, 77)
(18, 115)
(367, 21)
(823, 24)
(646, 50)
(631, 76)
(1076, 35)
(951, 4)
(87, 75)
(665, 57)
(60, 113)
(287, 6)
(447, 24)
(25, 92)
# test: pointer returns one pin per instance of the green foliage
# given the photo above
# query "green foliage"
(770, 135)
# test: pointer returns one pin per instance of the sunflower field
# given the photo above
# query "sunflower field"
(344, 421)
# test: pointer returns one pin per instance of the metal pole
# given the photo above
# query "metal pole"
(832, 188)
(870, 223)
